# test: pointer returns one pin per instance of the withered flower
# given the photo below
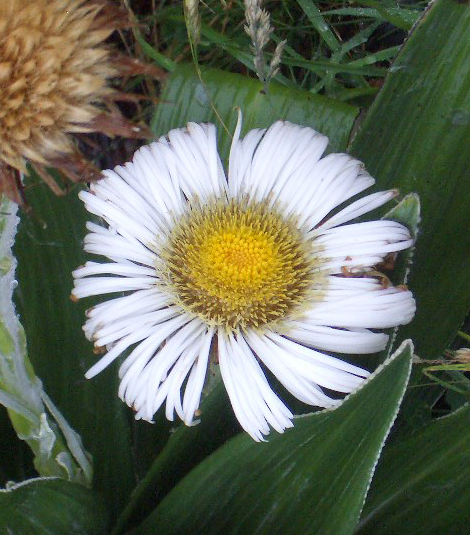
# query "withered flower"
(54, 72)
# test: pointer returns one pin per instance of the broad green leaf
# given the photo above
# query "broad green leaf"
(57, 448)
(421, 486)
(51, 507)
(185, 99)
(184, 450)
(311, 480)
(48, 247)
(415, 137)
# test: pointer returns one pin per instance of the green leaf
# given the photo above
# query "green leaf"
(421, 486)
(408, 213)
(57, 448)
(184, 450)
(16, 458)
(185, 99)
(388, 10)
(311, 480)
(48, 247)
(51, 507)
(415, 137)
(408, 15)
(319, 23)
(152, 53)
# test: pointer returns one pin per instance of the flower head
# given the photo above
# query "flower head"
(54, 71)
(253, 269)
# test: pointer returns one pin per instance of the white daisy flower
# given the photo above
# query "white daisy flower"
(251, 271)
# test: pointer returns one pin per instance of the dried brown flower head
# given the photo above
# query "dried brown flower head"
(54, 69)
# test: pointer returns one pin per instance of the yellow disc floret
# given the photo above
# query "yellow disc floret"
(237, 259)
(238, 264)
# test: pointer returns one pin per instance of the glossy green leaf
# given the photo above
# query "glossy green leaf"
(421, 486)
(48, 247)
(311, 480)
(415, 137)
(51, 507)
(185, 99)
(184, 450)
(57, 448)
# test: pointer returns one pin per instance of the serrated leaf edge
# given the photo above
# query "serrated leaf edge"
(403, 346)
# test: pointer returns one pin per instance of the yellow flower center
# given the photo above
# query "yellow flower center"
(238, 264)
(236, 259)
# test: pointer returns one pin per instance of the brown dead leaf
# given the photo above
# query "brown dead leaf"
(128, 66)
(115, 124)
(10, 183)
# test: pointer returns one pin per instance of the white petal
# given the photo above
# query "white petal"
(123, 223)
(105, 285)
(159, 184)
(341, 287)
(241, 154)
(357, 341)
(353, 245)
(233, 381)
(148, 400)
(137, 359)
(193, 391)
(316, 367)
(175, 379)
(197, 160)
(205, 138)
(118, 349)
(123, 190)
(134, 372)
(111, 332)
(335, 179)
(309, 355)
(360, 207)
(274, 410)
(278, 362)
(116, 247)
(139, 302)
(379, 309)
(266, 163)
(124, 270)
(98, 229)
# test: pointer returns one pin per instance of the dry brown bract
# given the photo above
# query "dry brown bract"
(54, 68)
